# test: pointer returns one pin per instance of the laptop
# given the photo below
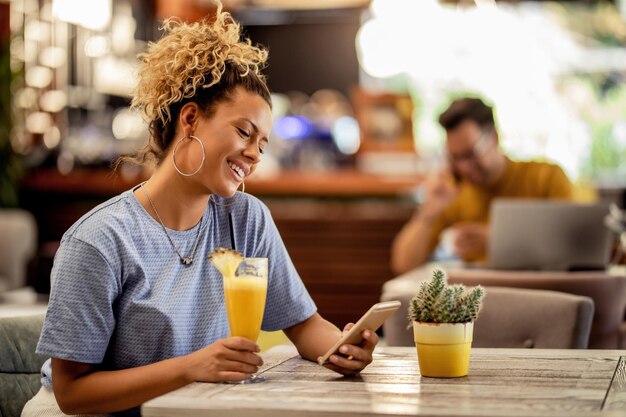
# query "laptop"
(548, 235)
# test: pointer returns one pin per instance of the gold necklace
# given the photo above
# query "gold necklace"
(185, 260)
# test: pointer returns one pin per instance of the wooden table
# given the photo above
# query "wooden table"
(502, 382)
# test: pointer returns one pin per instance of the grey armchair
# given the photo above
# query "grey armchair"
(514, 318)
(19, 364)
(608, 292)
(18, 244)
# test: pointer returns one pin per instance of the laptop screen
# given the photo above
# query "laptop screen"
(548, 235)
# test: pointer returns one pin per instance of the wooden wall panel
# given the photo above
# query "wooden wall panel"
(342, 261)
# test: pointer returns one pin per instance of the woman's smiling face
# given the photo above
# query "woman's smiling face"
(234, 138)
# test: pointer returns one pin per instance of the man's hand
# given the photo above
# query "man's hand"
(439, 190)
(471, 240)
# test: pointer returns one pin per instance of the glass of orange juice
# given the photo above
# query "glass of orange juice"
(245, 293)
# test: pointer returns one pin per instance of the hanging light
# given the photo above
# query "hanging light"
(93, 14)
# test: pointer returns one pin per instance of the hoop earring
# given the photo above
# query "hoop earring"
(184, 174)
(243, 190)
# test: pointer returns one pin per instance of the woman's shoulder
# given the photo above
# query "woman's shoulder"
(242, 204)
(254, 203)
(113, 216)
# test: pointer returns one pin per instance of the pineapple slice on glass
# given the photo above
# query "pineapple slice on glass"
(226, 261)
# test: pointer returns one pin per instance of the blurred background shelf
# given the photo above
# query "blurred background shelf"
(340, 183)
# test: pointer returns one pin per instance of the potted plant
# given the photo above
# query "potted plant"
(10, 168)
(443, 324)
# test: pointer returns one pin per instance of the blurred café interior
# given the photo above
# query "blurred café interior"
(357, 87)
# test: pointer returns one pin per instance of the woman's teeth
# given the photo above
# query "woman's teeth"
(238, 170)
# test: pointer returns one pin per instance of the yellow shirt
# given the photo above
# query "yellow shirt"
(521, 180)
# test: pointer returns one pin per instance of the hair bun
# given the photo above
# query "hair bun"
(190, 56)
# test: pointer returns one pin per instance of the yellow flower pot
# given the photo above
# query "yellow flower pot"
(443, 349)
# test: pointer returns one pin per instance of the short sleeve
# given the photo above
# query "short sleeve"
(80, 319)
(288, 302)
(559, 186)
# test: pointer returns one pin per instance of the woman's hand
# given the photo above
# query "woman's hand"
(81, 388)
(352, 359)
(232, 359)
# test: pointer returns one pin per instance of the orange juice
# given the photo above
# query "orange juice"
(245, 303)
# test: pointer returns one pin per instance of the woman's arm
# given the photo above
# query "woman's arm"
(80, 388)
(315, 335)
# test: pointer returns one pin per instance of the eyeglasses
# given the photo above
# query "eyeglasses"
(475, 152)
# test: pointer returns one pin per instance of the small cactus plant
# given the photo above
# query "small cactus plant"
(437, 302)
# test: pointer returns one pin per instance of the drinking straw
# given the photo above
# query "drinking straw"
(232, 233)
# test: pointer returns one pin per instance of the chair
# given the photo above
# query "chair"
(608, 293)
(18, 244)
(19, 364)
(514, 318)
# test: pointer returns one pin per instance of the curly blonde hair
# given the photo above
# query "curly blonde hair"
(201, 62)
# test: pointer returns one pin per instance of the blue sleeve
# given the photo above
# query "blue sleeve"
(288, 302)
(80, 318)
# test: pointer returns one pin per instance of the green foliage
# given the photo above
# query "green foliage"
(10, 167)
(437, 302)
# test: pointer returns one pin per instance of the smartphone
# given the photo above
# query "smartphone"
(372, 320)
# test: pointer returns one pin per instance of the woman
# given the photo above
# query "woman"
(136, 310)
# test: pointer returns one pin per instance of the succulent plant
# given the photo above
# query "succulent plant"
(11, 169)
(437, 302)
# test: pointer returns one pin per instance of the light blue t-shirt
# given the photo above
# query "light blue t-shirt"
(122, 298)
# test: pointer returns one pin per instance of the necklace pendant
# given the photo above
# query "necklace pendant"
(186, 260)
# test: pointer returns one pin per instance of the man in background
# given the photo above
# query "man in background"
(457, 199)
